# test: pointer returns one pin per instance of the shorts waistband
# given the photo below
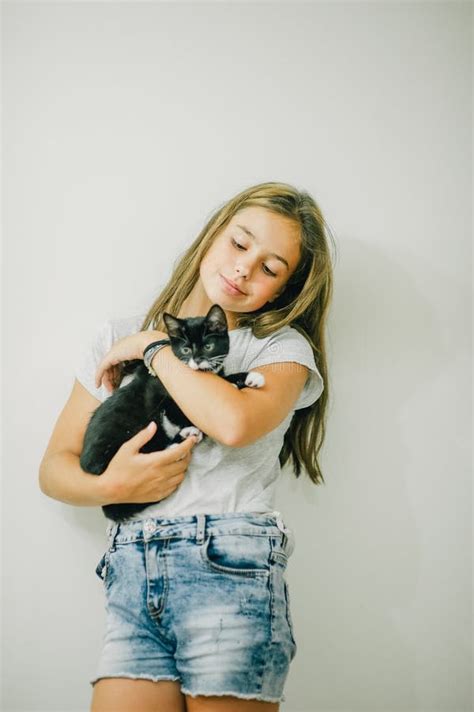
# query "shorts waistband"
(198, 526)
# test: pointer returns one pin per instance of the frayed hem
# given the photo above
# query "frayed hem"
(240, 695)
(128, 676)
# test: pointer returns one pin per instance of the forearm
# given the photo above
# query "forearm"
(61, 477)
(210, 402)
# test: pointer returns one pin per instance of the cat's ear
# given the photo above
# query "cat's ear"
(173, 325)
(216, 319)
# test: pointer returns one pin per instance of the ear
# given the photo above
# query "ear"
(216, 319)
(173, 325)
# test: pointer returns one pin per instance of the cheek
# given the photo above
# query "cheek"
(270, 290)
(271, 293)
(262, 294)
(213, 260)
(207, 265)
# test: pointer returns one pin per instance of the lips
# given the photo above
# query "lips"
(232, 284)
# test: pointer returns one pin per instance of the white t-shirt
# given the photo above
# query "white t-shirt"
(220, 478)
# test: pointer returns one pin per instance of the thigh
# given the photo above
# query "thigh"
(228, 704)
(124, 695)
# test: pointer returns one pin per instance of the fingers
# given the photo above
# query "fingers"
(107, 373)
(113, 375)
(175, 454)
(173, 457)
(101, 376)
(142, 437)
(181, 450)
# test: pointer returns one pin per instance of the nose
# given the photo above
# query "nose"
(242, 269)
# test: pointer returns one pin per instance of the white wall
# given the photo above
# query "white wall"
(124, 126)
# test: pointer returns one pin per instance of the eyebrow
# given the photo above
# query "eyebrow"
(272, 254)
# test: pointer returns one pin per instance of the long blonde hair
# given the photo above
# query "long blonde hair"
(303, 304)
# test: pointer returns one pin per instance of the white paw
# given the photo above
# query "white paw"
(255, 380)
(191, 430)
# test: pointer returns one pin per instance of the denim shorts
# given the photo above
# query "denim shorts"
(201, 599)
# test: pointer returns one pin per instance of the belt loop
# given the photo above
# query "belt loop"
(201, 528)
(282, 528)
(112, 531)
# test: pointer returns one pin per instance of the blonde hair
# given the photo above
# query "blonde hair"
(303, 303)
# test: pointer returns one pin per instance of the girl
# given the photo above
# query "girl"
(198, 611)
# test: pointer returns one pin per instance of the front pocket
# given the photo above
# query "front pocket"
(237, 554)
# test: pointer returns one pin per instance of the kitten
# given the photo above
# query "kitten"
(200, 342)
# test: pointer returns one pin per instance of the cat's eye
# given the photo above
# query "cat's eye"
(239, 246)
(185, 349)
(208, 347)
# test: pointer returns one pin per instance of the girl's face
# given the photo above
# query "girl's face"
(259, 266)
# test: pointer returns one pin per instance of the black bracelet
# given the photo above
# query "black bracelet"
(155, 343)
(150, 351)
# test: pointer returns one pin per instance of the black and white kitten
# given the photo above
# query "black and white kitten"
(200, 342)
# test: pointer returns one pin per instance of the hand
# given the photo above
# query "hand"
(132, 476)
(126, 349)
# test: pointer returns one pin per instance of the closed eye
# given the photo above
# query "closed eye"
(239, 246)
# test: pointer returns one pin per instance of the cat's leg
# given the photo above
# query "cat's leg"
(237, 379)
(246, 379)
(255, 379)
(191, 430)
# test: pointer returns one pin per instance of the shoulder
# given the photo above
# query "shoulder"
(281, 345)
(285, 345)
(115, 328)
(100, 342)
(118, 327)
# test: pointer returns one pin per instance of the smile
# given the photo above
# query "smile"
(229, 288)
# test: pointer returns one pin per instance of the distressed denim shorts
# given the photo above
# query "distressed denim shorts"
(201, 599)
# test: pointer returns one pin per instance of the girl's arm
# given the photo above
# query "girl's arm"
(231, 416)
(61, 477)
(60, 474)
(234, 417)
(263, 409)
(209, 401)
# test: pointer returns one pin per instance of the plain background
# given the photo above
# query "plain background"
(125, 125)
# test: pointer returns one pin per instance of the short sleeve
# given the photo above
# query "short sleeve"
(90, 357)
(289, 344)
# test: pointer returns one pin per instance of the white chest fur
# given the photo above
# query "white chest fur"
(170, 429)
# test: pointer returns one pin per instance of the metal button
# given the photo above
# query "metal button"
(149, 526)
